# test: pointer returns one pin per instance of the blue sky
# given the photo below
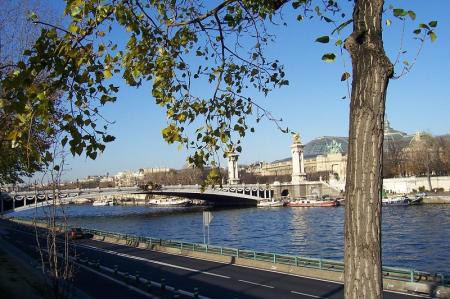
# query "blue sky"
(311, 104)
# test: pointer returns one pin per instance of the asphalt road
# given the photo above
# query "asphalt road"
(213, 279)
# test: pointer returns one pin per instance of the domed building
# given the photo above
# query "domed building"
(329, 154)
(322, 154)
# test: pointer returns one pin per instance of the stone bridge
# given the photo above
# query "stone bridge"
(226, 196)
(20, 201)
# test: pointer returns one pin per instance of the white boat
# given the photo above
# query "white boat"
(401, 201)
(306, 203)
(99, 203)
(171, 202)
(269, 203)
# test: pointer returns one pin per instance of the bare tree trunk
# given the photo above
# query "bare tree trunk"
(371, 72)
(429, 171)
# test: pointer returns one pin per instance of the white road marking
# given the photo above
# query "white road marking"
(255, 283)
(308, 295)
(152, 261)
(118, 282)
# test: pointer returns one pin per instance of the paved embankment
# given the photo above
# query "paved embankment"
(17, 278)
(226, 277)
(443, 199)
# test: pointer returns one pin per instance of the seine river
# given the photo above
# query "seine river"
(414, 236)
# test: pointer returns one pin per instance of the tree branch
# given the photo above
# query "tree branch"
(200, 18)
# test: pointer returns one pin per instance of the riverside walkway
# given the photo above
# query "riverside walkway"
(118, 270)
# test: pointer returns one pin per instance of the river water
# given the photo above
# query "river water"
(413, 236)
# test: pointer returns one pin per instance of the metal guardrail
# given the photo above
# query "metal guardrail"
(402, 274)
(394, 273)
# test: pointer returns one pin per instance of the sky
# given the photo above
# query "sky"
(312, 104)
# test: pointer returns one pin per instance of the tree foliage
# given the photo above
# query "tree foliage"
(21, 159)
(169, 44)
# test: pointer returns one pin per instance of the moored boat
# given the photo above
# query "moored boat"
(171, 202)
(269, 203)
(41, 196)
(401, 201)
(304, 202)
(99, 203)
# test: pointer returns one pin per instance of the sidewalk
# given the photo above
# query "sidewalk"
(17, 278)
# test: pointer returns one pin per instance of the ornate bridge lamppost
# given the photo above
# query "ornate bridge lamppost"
(298, 164)
(233, 173)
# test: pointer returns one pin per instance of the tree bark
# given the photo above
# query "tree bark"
(371, 72)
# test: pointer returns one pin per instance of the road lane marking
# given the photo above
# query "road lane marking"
(145, 281)
(152, 261)
(137, 290)
(256, 284)
(308, 295)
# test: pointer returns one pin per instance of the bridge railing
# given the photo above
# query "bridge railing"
(395, 273)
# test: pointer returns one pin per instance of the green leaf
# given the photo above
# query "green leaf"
(107, 74)
(412, 14)
(425, 26)
(33, 16)
(433, 24)
(75, 11)
(388, 22)
(92, 155)
(64, 141)
(432, 36)
(398, 12)
(328, 57)
(338, 42)
(345, 76)
(73, 28)
(296, 4)
(417, 31)
(342, 26)
(323, 39)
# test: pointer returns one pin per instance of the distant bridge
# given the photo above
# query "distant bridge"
(239, 195)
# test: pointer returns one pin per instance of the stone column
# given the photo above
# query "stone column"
(298, 165)
(233, 174)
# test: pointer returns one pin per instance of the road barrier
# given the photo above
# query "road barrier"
(394, 273)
